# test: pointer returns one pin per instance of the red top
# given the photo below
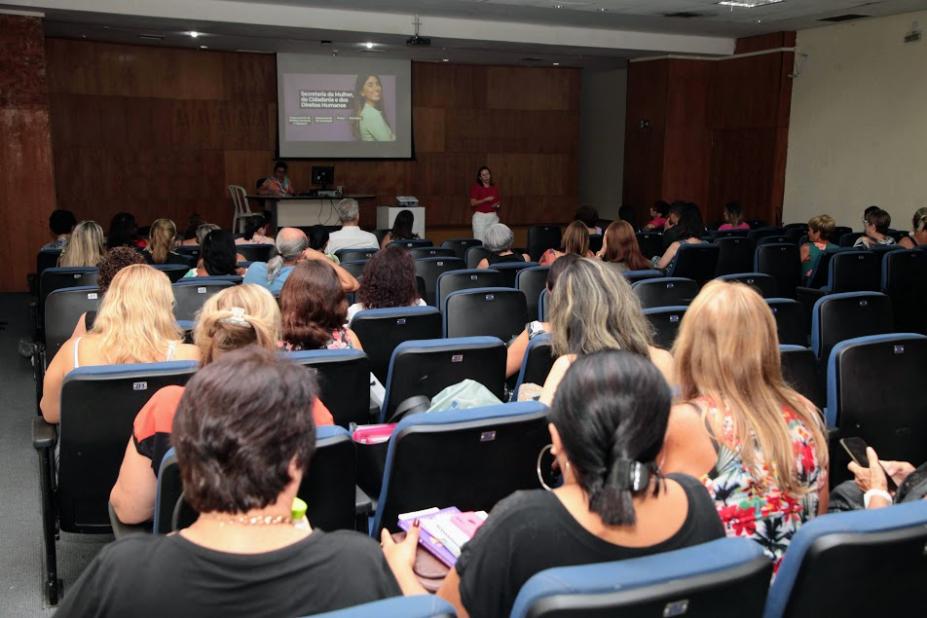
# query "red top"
(478, 192)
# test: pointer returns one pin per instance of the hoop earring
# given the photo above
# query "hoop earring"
(545, 449)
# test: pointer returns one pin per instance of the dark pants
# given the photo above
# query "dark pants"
(846, 496)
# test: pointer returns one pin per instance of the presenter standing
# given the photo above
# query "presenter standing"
(484, 199)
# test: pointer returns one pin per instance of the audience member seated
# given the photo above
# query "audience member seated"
(670, 230)
(688, 230)
(236, 317)
(620, 248)
(277, 185)
(218, 256)
(498, 239)
(820, 229)
(658, 214)
(593, 308)
(519, 345)
(60, 223)
(292, 247)
(315, 309)
(756, 444)
(84, 246)
(615, 503)
(257, 232)
(869, 488)
(575, 240)
(917, 237)
(199, 234)
(189, 234)
(875, 231)
(588, 216)
(135, 324)
(350, 236)
(388, 281)
(244, 436)
(123, 232)
(733, 218)
(402, 228)
(162, 238)
(113, 261)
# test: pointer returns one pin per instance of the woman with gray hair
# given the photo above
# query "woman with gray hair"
(498, 240)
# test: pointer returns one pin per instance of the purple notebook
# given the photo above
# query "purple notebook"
(443, 531)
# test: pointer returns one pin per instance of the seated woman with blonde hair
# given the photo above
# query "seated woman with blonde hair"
(756, 444)
(575, 240)
(84, 246)
(236, 317)
(593, 308)
(135, 324)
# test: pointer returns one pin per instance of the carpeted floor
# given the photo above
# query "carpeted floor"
(21, 551)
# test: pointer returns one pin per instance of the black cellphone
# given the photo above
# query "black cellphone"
(856, 449)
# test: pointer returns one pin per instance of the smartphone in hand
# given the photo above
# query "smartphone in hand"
(856, 449)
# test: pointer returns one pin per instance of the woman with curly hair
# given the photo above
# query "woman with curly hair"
(314, 309)
(388, 281)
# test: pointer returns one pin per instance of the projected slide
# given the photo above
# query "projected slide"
(343, 107)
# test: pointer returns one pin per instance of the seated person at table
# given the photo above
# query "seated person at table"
(84, 247)
(875, 231)
(519, 345)
(218, 258)
(60, 223)
(575, 240)
(277, 185)
(161, 241)
(614, 504)
(113, 261)
(820, 229)
(135, 324)
(388, 281)
(350, 236)
(244, 437)
(733, 218)
(402, 228)
(292, 247)
(498, 239)
(236, 317)
(688, 230)
(257, 232)
(917, 237)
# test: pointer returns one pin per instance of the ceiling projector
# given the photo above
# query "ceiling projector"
(418, 41)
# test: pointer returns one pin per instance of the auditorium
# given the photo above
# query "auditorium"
(487, 308)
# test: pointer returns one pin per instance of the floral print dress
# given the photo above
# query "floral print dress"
(758, 508)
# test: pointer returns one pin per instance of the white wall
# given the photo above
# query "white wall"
(601, 158)
(858, 129)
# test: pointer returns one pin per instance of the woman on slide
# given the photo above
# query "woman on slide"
(485, 202)
(372, 125)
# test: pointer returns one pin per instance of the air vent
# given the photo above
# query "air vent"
(531, 60)
(686, 14)
(152, 37)
(847, 17)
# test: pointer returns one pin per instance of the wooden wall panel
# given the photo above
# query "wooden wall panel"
(163, 132)
(687, 140)
(644, 145)
(27, 188)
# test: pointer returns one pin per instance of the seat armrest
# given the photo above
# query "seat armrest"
(363, 505)
(44, 435)
(121, 529)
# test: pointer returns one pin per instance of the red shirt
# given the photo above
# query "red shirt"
(478, 192)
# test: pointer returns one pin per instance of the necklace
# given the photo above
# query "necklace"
(249, 520)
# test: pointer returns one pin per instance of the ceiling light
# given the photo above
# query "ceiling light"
(369, 44)
(747, 4)
(193, 33)
(603, 10)
(204, 47)
(443, 59)
(556, 64)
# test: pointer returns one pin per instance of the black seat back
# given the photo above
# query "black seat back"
(410, 243)
(355, 267)
(531, 281)
(758, 233)
(541, 238)
(495, 312)
(460, 245)
(381, 330)
(430, 268)
(255, 253)
(466, 279)
(475, 255)
(764, 284)
(423, 252)
(190, 294)
(344, 382)
(791, 321)
(782, 262)
(800, 371)
(355, 255)
(46, 258)
(735, 255)
(538, 361)
(427, 367)
(852, 271)
(847, 315)
(56, 278)
(510, 271)
(904, 279)
(651, 243)
(63, 309)
(848, 239)
(695, 261)
(665, 291)
(98, 407)
(665, 322)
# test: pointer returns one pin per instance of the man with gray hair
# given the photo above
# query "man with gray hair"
(350, 236)
(292, 247)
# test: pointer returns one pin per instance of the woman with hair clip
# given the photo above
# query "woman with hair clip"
(84, 246)
(593, 308)
(575, 240)
(614, 503)
(234, 318)
(917, 237)
(756, 444)
(620, 248)
(161, 240)
(134, 324)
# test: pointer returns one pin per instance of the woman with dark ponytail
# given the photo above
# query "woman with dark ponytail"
(607, 425)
